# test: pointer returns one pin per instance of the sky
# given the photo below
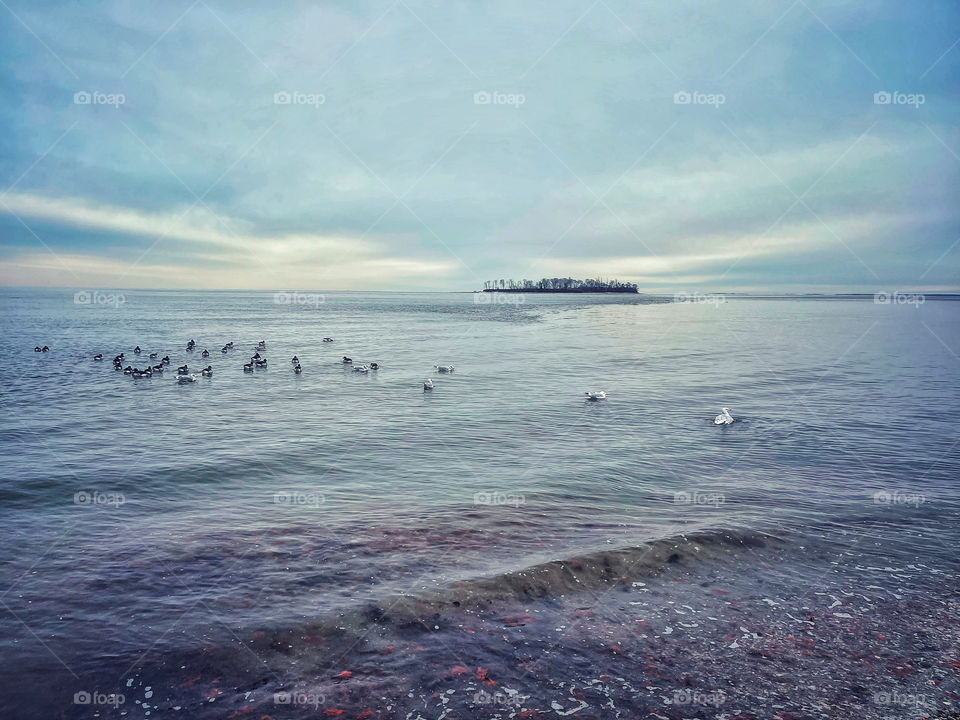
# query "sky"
(435, 144)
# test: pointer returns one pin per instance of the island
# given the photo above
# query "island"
(559, 285)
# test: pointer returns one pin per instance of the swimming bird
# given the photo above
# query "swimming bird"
(428, 384)
(295, 360)
(256, 356)
(297, 369)
(374, 366)
(444, 368)
(118, 357)
(136, 350)
(328, 339)
(347, 361)
(44, 349)
(182, 370)
(596, 395)
(158, 368)
(361, 368)
(205, 353)
(154, 356)
(248, 367)
(127, 370)
(98, 357)
(261, 363)
(724, 418)
(184, 379)
(262, 345)
(229, 345)
(36, 348)
(224, 349)
(166, 360)
(207, 371)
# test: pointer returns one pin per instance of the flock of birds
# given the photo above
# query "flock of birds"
(184, 376)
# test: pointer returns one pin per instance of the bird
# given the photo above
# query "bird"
(347, 361)
(328, 339)
(248, 367)
(596, 395)
(256, 356)
(98, 357)
(229, 345)
(261, 363)
(374, 366)
(154, 356)
(297, 369)
(428, 384)
(224, 349)
(205, 353)
(165, 360)
(136, 350)
(158, 368)
(295, 360)
(184, 379)
(182, 370)
(36, 348)
(724, 418)
(361, 368)
(444, 368)
(128, 370)
(45, 349)
(207, 371)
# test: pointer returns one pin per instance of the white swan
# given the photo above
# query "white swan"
(724, 418)
(428, 384)
(598, 395)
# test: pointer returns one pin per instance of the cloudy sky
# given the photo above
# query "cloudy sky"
(434, 144)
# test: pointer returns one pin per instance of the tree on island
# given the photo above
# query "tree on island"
(559, 285)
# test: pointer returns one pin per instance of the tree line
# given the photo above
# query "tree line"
(559, 285)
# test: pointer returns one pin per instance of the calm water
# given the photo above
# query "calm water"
(498, 547)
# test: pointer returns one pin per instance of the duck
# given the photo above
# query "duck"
(224, 349)
(205, 353)
(361, 368)
(229, 345)
(374, 366)
(596, 395)
(207, 371)
(128, 370)
(166, 360)
(261, 363)
(190, 346)
(295, 360)
(724, 418)
(136, 373)
(158, 368)
(328, 339)
(137, 350)
(262, 345)
(118, 366)
(347, 361)
(184, 379)
(428, 384)
(154, 356)
(98, 357)
(444, 368)
(297, 369)
(182, 370)
(45, 349)
(118, 357)
(248, 367)
(36, 348)
(256, 356)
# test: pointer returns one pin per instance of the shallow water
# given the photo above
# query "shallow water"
(258, 533)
